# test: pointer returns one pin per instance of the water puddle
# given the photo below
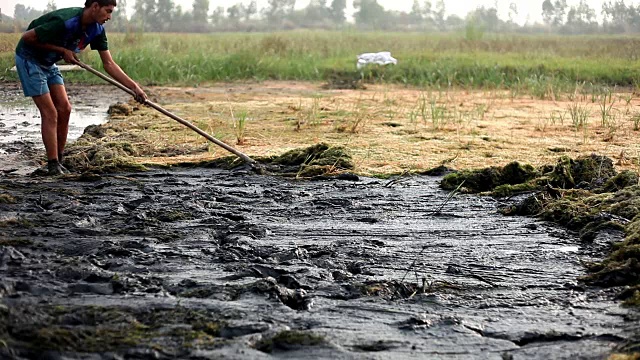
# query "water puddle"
(20, 119)
(20, 139)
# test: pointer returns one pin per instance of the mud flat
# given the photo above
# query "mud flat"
(208, 263)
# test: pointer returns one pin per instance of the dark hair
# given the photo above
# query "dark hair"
(100, 2)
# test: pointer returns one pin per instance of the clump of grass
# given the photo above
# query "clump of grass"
(438, 114)
(7, 199)
(101, 155)
(636, 122)
(356, 122)
(579, 115)
(239, 125)
(606, 104)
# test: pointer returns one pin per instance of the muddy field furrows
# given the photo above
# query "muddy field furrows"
(205, 263)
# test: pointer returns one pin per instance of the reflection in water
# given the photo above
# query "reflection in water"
(20, 121)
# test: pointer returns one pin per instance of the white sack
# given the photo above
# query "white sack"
(380, 58)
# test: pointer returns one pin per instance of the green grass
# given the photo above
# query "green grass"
(540, 65)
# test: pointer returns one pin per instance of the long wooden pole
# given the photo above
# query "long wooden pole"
(169, 114)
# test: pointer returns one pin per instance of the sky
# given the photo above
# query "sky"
(528, 10)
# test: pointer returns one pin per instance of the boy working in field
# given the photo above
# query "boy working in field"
(58, 35)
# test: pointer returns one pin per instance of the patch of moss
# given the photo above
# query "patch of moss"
(437, 171)
(530, 206)
(591, 230)
(587, 171)
(570, 211)
(316, 160)
(487, 179)
(621, 181)
(624, 203)
(634, 300)
(290, 340)
(7, 199)
(508, 190)
(319, 154)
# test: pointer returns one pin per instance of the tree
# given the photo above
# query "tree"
(483, 19)
(369, 14)
(119, 19)
(164, 15)
(513, 12)
(200, 11)
(438, 15)
(337, 11)
(316, 14)
(278, 10)
(22, 13)
(548, 12)
(250, 10)
(51, 6)
(560, 10)
(144, 14)
(582, 18)
(618, 17)
(217, 16)
(416, 13)
(234, 12)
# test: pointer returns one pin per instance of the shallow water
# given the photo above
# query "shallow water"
(20, 119)
(377, 269)
(20, 122)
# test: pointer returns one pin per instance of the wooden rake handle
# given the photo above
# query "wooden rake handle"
(169, 114)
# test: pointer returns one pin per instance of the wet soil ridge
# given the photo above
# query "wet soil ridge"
(110, 149)
(585, 194)
(204, 263)
(316, 161)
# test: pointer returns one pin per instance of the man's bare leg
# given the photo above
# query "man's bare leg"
(63, 108)
(48, 125)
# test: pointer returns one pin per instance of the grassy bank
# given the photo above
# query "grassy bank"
(544, 66)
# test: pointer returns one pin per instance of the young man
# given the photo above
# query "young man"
(58, 35)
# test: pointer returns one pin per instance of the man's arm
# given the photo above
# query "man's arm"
(116, 72)
(31, 38)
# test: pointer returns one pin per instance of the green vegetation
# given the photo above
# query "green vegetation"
(544, 65)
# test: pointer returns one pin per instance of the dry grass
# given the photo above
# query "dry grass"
(388, 128)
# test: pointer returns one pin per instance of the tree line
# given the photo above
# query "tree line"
(425, 15)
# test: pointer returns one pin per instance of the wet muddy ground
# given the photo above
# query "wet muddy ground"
(207, 263)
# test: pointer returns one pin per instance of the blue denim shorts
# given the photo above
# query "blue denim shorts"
(36, 78)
